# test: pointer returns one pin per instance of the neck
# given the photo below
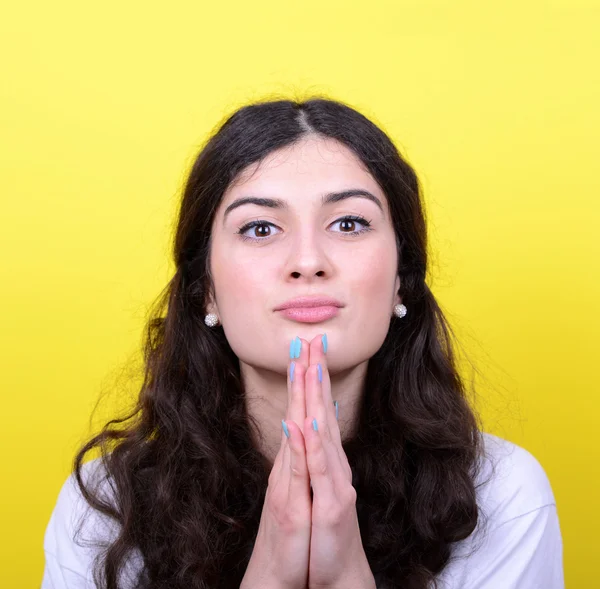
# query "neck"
(266, 400)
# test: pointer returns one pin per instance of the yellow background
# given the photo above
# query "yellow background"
(103, 106)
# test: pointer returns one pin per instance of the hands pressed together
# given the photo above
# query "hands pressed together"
(306, 541)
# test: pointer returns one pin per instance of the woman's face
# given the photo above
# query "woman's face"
(304, 247)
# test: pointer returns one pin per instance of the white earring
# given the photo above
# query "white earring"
(400, 311)
(211, 320)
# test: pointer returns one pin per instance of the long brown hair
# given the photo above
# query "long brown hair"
(189, 484)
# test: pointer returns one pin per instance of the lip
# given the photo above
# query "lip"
(309, 302)
(310, 314)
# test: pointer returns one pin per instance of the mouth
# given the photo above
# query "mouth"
(310, 314)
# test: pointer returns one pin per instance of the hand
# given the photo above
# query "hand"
(337, 557)
(279, 558)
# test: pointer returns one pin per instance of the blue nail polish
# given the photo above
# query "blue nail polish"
(292, 368)
(324, 340)
(315, 427)
(320, 372)
(298, 347)
(337, 407)
(293, 348)
(286, 431)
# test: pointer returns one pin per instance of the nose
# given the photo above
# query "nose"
(308, 257)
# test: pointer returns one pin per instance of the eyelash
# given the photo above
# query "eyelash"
(259, 222)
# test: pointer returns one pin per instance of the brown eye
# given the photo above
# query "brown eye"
(348, 224)
(262, 230)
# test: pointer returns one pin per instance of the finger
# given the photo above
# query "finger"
(319, 356)
(299, 478)
(322, 470)
(298, 350)
(331, 436)
(283, 455)
(304, 351)
(314, 400)
(296, 407)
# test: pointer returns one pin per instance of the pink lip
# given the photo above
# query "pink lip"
(312, 301)
(310, 314)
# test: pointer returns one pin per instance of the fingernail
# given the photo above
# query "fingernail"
(337, 407)
(324, 340)
(298, 347)
(292, 368)
(315, 427)
(285, 429)
(320, 372)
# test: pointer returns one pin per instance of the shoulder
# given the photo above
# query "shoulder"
(517, 540)
(71, 505)
(511, 481)
(76, 531)
(72, 516)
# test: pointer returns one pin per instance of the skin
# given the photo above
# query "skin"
(307, 250)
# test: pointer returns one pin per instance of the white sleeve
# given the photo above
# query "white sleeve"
(66, 564)
(525, 552)
(57, 576)
(70, 559)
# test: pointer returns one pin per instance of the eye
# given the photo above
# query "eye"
(254, 224)
(352, 220)
(348, 220)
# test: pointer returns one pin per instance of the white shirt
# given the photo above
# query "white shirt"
(519, 548)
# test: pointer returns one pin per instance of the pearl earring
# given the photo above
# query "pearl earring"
(400, 311)
(211, 320)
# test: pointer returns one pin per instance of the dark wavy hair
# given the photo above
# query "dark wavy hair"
(189, 483)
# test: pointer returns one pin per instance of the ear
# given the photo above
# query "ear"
(397, 299)
(212, 309)
(210, 306)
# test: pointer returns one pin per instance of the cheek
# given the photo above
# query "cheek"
(373, 274)
(245, 288)
(239, 283)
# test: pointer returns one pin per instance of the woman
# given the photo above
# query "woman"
(301, 258)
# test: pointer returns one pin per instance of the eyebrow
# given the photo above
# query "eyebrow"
(276, 203)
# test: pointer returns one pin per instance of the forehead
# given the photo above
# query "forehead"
(314, 162)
